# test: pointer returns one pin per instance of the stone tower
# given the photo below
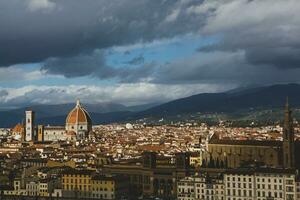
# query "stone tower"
(29, 125)
(288, 139)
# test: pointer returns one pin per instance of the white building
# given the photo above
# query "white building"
(42, 187)
(186, 188)
(16, 190)
(29, 125)
(272, 184)
(54, 133)
(32, 188)
(266, 184)
(298, 189)
(200, 187)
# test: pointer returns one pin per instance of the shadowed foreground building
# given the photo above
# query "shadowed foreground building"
(154, 176)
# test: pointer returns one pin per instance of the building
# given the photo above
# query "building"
(298, 188)
(54, 133)
(18, 132)
(29, 125)
(35, 187)
(109, 187)
(40, 134)
(186, 188)
(239, 153)
(236, 153)
(201, 187)
(153, 175)
(78, 126)
(240, 184)
(260, 184)
(77, 183)
(288, 139)
(195, 159)
(88, 184)
(79, 121)
(32, 188)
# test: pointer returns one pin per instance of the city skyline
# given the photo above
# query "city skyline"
(149, 99)
(134, 52)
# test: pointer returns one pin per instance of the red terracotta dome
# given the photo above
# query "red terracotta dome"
(71, 133)
(18, 128)
(78, 115)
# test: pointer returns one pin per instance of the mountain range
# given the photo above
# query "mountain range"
(234, 101)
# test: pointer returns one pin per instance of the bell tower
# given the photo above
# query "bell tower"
(29, 131)
(288, 138)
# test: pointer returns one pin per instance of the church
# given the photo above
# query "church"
(77, 127)
(78, 122)
(239, 153)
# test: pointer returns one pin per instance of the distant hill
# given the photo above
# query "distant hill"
(141, 107)
(97, 118)
(233, 101)
(62, 109)
(229, 103)
(56, 114)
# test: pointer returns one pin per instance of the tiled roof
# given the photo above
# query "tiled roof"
(78, 115)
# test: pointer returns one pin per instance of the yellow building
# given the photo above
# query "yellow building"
(195, 159)
(40, 133)
(108, 187)
(51, 163)
(86, 184)
(77, 183)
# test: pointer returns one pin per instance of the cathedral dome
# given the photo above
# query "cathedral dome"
(78, 115)
(18, 128)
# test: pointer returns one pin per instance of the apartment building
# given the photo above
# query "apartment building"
(241, 184)
(88, 184)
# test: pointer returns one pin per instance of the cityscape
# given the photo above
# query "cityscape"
(149, 99)
(138, 161)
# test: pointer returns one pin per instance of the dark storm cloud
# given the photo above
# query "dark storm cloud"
(258, 40)
(267, 31)
(254, 47)
(257, 44)
(33, 30)
(94, 65)
(281, 57)
(219, 67)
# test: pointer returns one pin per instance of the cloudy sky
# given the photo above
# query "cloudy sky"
(142, 51)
